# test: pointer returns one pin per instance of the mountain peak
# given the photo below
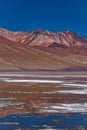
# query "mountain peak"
(44, 38)
(70, 32)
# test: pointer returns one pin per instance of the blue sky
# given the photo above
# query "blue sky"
(53, 15)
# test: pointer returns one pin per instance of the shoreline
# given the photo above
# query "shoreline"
(44, 72)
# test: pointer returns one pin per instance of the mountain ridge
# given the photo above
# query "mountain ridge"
(44, 38)
(42, 49)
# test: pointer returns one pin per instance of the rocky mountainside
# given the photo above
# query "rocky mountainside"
(45, 38)
(42, 49)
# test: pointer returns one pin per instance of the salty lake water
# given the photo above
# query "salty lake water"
(43, 102)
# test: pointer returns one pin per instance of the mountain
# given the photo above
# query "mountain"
(42, 49)
(44, 38)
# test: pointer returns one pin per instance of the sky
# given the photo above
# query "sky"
(52, 15)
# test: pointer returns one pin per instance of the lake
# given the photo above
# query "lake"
(43, 100)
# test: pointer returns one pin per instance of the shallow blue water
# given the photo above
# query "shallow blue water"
(52, 121)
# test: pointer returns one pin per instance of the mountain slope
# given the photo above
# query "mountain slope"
(44, 38)
(37, 49)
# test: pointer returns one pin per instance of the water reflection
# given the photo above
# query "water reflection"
(28, 103)
(46, 122)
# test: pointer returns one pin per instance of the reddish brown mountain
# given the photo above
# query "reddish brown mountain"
(45, 38)
(42, 49)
